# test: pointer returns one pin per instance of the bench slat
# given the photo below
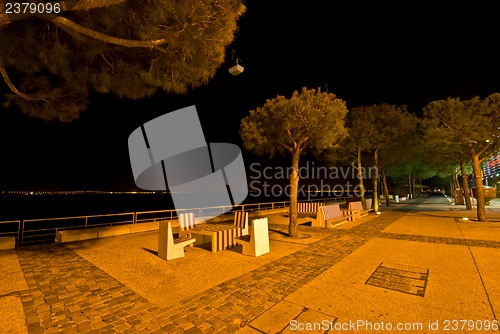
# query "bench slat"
(308, 209)
(182, 239)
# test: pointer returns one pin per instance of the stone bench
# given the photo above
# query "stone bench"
(7, 243)
(102, 232)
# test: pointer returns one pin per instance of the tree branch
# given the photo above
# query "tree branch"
(485, 147)
(288, 147)
(299, 114)
(65, 24)
(302, 143)
(9, 83)
(446, 125)
(491, 151)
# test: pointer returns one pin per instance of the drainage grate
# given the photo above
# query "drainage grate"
(406, 279)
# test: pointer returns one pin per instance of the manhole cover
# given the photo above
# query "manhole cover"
(406, 279)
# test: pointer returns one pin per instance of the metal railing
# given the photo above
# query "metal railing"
(43, 230)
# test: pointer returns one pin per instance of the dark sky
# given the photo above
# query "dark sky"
(365, 55)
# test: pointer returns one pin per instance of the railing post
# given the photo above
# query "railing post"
(86, 221)
(21, 233)
(134, 218)
(18, 232)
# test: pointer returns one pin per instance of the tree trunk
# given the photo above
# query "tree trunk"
(385, 189)
(455, 181)
(413, 187)
(409, 186)
(360, 178)
(375, 182)
(481, 206)
(453, 185)
(294, 185)
(465, 185)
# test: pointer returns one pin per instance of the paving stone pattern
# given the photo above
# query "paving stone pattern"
(442, 240)
(68, 294)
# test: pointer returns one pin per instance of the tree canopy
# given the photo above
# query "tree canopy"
(51, 61)
(378, 129)
(308, 119)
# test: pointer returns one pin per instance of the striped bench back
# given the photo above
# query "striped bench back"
(187, 221)
(241, 221)
(308, 207)
(331, 211)
(356, 205)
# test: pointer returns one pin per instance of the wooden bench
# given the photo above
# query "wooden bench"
(308, 209)
(170, 248)
(356, 209)
(331, 216)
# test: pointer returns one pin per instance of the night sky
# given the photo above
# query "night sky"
(365, 56)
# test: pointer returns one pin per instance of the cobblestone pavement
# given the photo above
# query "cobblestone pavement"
(67, 294)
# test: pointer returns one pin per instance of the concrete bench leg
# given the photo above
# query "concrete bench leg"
(258, 243)
(170, 248)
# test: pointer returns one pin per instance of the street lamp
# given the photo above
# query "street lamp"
(236, 69)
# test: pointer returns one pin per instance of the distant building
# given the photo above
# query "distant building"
(491, 172)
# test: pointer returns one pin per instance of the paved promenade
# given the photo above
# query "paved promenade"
(418, 267)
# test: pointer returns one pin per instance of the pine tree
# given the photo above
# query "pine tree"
(309, 119)
(379, 127)
(51, 61)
